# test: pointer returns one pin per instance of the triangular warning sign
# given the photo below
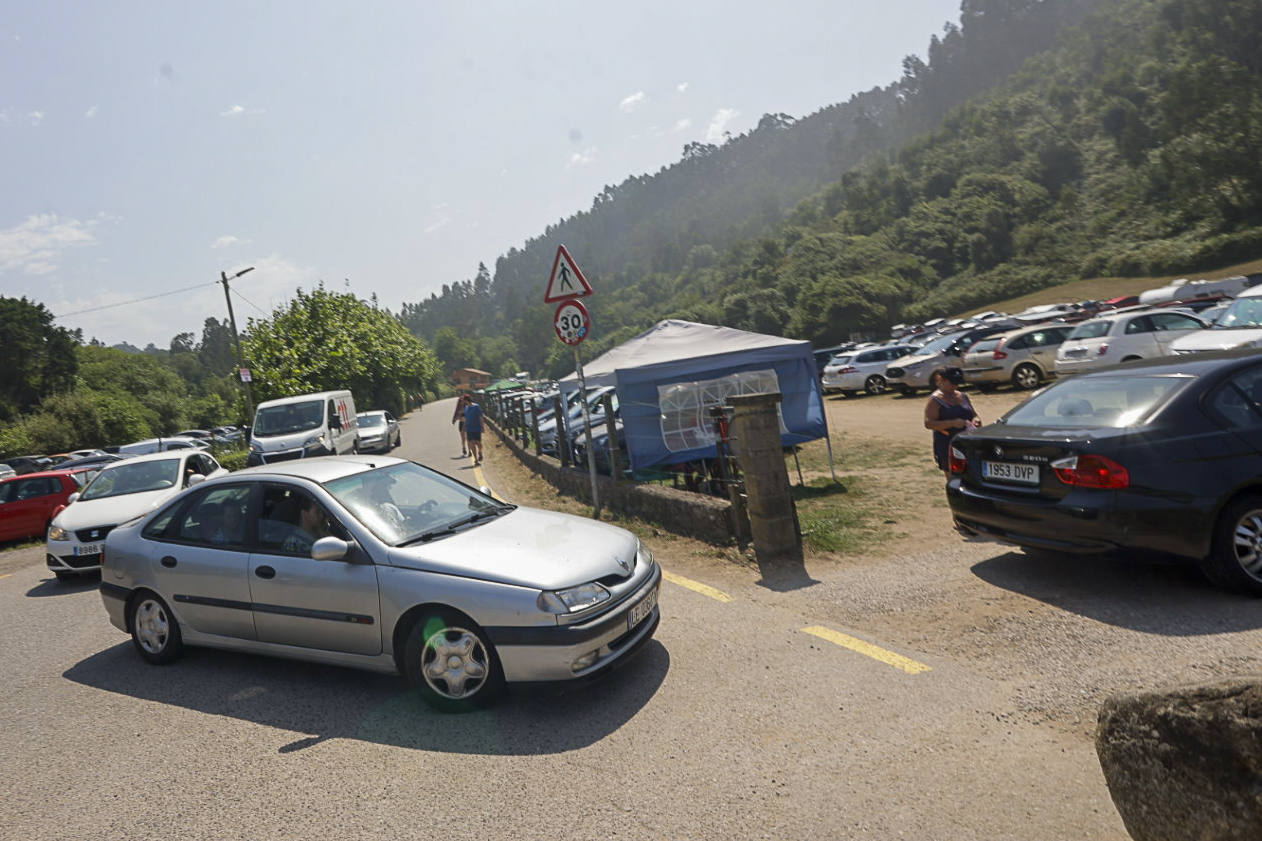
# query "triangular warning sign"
(566, 281)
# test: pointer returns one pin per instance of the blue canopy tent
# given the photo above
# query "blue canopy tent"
(670, 376)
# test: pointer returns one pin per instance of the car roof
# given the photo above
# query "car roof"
(37, 474)
(180, 453)
(322, 469)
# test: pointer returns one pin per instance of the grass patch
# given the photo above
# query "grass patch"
(849, 455)
(837, 518)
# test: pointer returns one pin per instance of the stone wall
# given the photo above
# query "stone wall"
(692, 514)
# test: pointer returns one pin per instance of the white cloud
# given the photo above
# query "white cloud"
(718, 124)
(36, 117)
(90, 113)
(35, 246)
(582, 158)
(682, 87)
(225, 241)
(234, 111)
(632, 102)
(682, 125)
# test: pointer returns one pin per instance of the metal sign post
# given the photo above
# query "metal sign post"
(587, 422)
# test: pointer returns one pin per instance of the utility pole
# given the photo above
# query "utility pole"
(236, 340)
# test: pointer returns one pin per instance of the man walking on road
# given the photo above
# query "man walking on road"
(473, 430)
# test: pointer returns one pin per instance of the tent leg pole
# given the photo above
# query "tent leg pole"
(828, 439)
(798, 465)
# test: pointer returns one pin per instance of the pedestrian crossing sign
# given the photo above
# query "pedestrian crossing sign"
(566, 281)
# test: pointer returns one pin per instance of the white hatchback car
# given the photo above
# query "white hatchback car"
(122, 491)
(1121, 337)
(861, 369)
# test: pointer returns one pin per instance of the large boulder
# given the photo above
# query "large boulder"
(1185, 764)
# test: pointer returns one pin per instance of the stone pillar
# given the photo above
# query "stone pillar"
(756, 442)
(534, 428)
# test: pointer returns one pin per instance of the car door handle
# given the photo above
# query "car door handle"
(265, 572)
(168, 562)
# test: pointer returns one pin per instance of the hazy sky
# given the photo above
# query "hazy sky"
(149, 146)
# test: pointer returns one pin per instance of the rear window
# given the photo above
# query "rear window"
(1113, 401)
(1091, 330)
(840, 360)
(985, 345)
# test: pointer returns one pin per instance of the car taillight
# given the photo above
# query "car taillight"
(849, 369)
(102, 557)
(1092, 471)
(999, 354)
(957, 462)
(1104, 348)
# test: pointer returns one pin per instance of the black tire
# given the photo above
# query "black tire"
(474, 678)
(154, 631)
(907, 390)
(850, 393)
(63, 576)
(986, 388)
(398, 440)
(1235, 556)
(1131, 358)
(1026, 376)
(875, 384)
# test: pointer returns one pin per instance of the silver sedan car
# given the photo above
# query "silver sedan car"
(382, 564)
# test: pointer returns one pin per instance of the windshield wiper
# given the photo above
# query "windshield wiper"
(451, 528)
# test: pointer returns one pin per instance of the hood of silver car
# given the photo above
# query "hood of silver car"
(528, 547)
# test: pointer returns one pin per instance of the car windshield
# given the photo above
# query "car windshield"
(1091, 330)
(1113, 401)
(407, 503)
(372, 420)
(937, 345)
(134, 477)
(1243, 312)
(290, 418)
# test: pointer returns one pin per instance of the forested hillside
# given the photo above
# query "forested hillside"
(1132, 146)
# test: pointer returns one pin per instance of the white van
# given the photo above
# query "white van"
(1240, 325)
(320, 424)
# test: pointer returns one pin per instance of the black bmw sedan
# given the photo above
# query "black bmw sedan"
(1160, 455)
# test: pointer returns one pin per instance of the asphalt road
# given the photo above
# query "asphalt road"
(839, 710)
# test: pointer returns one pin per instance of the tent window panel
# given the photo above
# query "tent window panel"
(685, 407)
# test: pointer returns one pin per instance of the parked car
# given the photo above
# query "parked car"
(822, 355)
(1160, 456)
(912, 371)
(382, 564)
(29, 464)
(119, 492)
(1024, 358)
(29, 501)
(161, 445)
(1239, 325)
(865, 369)
(204, 434)
(573, 417)
(97, 461)
(600, 445)
(1122, 337)
(378, 432)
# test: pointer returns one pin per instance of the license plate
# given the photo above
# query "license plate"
(1027, 474)
(1076, 352)
(641, 609)
(88, 549)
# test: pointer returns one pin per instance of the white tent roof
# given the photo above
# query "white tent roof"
(669, 341)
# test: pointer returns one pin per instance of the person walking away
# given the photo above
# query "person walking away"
(473, 429)
(948, 413)
(457, 417)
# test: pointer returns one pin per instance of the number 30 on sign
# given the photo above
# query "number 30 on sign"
(572, 322)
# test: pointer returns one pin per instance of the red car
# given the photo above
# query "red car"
(28, 503)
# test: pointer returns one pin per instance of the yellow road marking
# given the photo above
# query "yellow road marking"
(898, 661)
(696, 586)
(6, 575)
(481, 479)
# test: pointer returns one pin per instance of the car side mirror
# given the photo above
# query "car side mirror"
(330, 549)
(70, 499)
(485, 490)
(196, 479)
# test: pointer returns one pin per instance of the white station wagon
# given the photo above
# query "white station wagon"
(379, 563)
(1121, 337)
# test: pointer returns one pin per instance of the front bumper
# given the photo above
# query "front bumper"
(546, 654)
(254, 459)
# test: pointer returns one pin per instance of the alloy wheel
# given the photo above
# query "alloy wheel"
(1247, 542)
(455, 663)
(153, 627)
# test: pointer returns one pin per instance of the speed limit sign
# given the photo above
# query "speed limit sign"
(572, 322)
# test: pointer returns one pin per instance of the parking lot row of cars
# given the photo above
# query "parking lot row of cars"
(995, 351)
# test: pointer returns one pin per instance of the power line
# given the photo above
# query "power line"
(248, 301)
(136, 300)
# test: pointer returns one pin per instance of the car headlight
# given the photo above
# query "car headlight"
(313, 440)
(58, 533)
(256, 447)
(572, 599)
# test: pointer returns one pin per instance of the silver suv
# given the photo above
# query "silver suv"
(1023, 357)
